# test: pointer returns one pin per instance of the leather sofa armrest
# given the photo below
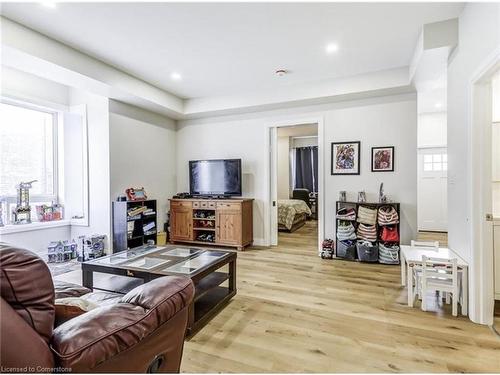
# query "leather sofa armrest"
(91, 339)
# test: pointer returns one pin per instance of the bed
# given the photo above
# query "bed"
(292, 214)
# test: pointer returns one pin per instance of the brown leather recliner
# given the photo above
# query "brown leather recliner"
(143, 331)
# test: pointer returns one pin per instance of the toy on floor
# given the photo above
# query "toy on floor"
(61, 251)
(328, 248)
(92, 247)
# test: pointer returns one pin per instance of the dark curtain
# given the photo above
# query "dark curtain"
(306, 168)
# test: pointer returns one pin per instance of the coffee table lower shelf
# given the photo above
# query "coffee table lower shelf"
(206, 306)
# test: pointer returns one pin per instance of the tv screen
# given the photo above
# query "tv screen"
(215, 177)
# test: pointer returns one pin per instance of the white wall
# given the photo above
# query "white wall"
(283, 166)
(384, 121)
(37, 240)
(20, 84)
(98, 164)
(495, 138)
(142, 153)
(479, 37)
(432, 129)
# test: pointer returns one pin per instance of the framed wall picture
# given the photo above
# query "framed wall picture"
(345, 158)
(383, 159)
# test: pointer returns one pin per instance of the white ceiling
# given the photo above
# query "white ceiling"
(229, 48)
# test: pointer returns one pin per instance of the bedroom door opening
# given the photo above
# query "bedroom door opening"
(296, 181)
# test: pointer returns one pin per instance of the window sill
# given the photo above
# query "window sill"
(11, 228)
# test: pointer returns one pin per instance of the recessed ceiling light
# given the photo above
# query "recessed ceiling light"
(48, 4)
(438, 105)
(331, 48)
(176, 76)
(281, 72)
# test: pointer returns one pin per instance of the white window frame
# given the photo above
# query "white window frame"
(443, 164)
(35, 198)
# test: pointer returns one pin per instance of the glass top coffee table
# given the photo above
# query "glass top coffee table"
(213, 273)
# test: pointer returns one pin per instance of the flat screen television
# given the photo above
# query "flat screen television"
(215, 177)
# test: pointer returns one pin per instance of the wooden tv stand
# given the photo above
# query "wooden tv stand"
(221, 222)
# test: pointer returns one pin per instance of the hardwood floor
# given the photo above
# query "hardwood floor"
(442, 237)
(295, 312)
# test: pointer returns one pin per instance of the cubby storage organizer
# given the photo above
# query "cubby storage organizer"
(361, 252)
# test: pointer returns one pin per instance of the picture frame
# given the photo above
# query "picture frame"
(345, 158)
(383, 159)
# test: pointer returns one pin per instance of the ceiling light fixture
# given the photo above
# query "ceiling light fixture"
(176, 76)
(331, 48)
(48, 4)
(281, 72)
(438, 105)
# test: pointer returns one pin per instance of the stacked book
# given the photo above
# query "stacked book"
(148, 212)
(149, 228)
(134, 211)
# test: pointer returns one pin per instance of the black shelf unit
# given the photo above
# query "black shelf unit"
(122, 239)
(355, 205)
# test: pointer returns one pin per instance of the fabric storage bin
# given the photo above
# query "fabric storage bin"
(387, 215)
(346, 249)
(367, 251)
(348, 214)
(367, 232)
(388, 254)
(389, 234)
(346, 232)
(367, 215)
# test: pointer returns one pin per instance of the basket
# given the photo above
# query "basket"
(367, 251)
(367, 215)
(346, 250)
(388, 254)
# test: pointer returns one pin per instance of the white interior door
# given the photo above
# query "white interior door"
(432, 189)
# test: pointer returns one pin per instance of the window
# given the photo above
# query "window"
(28, 146)
(435, 162)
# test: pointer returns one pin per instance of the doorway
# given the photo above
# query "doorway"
(432, 185)
(495, 190)
(485, 159)
(296, 183)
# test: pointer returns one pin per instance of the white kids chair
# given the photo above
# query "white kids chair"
(439, 275)
(415, 269)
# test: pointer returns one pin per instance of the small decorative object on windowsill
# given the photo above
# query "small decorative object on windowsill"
(361, 197)
(342, 196)
(22, 212)
(49, 213)
(134, 194)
